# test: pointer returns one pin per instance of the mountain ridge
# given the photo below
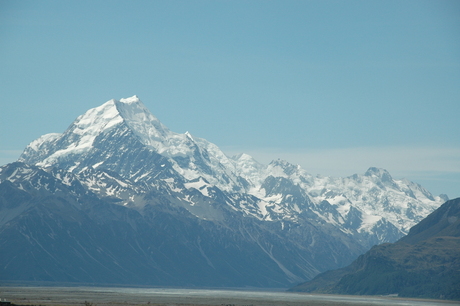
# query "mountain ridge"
(120, 154)
(193, 157)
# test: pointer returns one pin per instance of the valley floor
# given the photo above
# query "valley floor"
(97, 296)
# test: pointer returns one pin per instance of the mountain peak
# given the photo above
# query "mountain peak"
(133, 99)
(243, 157)
(283, 164)
(80, 136)
(141, 121)
(374, 171)
(382, 175)
(128, 119)
(131, 111)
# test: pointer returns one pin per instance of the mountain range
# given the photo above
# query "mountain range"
(118, 198)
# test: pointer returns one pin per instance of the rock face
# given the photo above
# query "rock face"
(119, 198)
(425, 263)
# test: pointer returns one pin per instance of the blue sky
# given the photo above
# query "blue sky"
(335, 86)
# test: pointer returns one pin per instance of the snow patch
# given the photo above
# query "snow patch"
(368, 222)
(200, 185)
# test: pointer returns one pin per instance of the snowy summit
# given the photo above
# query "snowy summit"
(121, 136)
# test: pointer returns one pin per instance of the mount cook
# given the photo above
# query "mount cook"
(118, 198)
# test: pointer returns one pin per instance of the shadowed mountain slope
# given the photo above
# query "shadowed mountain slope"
(425, 263)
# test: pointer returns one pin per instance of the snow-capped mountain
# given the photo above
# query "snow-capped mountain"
(119, 153)
(124, 137)
(80, 146)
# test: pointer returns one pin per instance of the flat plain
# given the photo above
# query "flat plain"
(102, 296)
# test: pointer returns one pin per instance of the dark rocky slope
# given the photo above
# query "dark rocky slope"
(425, 263)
